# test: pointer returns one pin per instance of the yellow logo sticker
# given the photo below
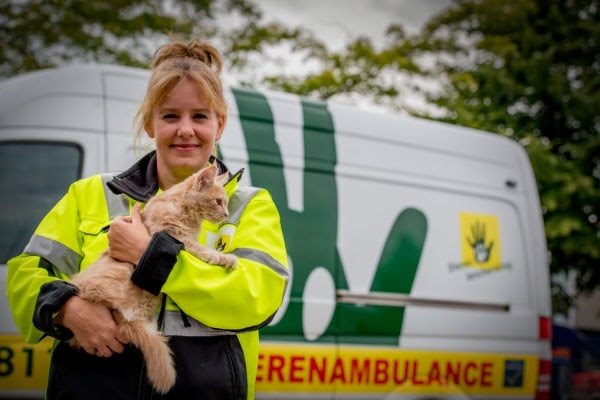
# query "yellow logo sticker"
(480, 241)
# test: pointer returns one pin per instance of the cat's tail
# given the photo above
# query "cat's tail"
(157, 354)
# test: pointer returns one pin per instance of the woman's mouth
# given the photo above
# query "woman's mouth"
(184, 147)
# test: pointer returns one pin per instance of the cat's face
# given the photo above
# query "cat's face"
(206, 196)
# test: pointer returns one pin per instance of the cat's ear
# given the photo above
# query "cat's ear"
(222, 179)
(206, 176)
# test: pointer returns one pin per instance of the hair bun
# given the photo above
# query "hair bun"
(194, 49)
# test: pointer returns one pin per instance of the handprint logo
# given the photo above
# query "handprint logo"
(481, 251)
(480, 244)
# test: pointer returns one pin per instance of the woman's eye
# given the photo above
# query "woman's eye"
(200, 116)
(169, 116)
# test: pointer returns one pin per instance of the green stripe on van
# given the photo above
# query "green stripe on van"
(396, 270)
(311, 235)
(264, 157)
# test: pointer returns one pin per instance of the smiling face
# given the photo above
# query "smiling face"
(185, 130)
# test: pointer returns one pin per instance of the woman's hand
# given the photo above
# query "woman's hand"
(93, 326)
(128, 237)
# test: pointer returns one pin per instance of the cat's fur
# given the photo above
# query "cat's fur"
(178, 211)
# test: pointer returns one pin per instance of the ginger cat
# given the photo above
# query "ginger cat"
(178, 211)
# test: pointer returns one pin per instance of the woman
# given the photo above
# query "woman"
(212, 316)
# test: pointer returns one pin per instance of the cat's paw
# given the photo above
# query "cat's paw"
(212, 258)
(228, 261)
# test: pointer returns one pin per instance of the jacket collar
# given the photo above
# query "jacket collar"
(140, 182)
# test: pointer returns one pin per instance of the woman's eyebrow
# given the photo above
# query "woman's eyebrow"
(175, 109)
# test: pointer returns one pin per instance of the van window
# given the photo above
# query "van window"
(33, 177)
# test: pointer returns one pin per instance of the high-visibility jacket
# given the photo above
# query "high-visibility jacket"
(201, 299)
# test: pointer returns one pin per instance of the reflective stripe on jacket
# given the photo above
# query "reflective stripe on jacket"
(73, 235)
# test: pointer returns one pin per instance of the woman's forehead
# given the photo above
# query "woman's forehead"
(186, 94)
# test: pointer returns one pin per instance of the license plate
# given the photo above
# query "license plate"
(23, 367)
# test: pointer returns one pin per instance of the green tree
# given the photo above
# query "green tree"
(360, 68)
(530, 69)
(37, 34)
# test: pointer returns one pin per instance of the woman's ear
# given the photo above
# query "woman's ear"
(220, 127)
(149, 130)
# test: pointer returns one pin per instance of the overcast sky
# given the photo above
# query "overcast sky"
(342, 20)
(337, 22)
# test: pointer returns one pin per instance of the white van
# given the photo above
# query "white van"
(418, 253)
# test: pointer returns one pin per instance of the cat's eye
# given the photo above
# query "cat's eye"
(219, 202)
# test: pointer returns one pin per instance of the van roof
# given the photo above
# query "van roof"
(85, 80)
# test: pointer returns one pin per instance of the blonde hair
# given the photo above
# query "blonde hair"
(172, 64)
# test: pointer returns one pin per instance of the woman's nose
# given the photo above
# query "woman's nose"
(185, 128)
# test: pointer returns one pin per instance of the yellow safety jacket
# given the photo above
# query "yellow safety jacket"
(212, 300)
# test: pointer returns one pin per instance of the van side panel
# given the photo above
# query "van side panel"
(418, 272)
